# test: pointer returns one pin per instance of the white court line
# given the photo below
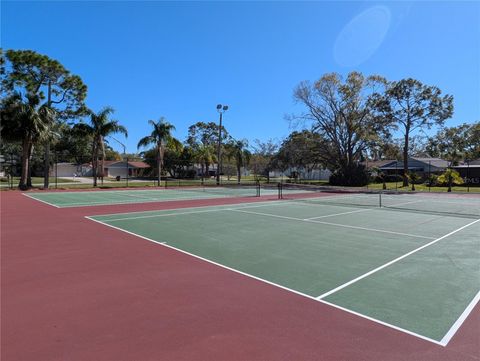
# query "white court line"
(137, 196)
(213, 209)
(274, 284)
(247, 205)
(334, 224)
(131, 193)
(448, 336)
(393, 261)
(337, 214)
(163, 215)
(400, 204)
(150, 200)
(36, 199)
(191, 194)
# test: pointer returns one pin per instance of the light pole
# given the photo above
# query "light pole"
(124, 154)
(221, 109)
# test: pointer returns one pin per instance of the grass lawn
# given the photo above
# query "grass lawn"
(422, 187)
(36, 180)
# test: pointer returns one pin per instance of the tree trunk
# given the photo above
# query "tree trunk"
(103, 160)
(405, 162)
(94, 165)
(239, 174)
(159, 166)
(25, 165)
(29, 170)
(46, 166)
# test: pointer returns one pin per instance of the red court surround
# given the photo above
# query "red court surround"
(73, 289)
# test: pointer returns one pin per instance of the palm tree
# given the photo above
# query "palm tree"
(237, 150)
(414, 178)
(161, 136)
(205, 155)
(25, 121)
(450, 177)
(100, 127)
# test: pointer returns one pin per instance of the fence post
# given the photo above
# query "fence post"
(127, 171)
(468, 175)
(368, 172)
(56, 169)
(396, 175)
(429, 175)
(11, 171)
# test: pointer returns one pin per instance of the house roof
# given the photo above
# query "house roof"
(414, 163)
(110, 163)
(465, 166)
(379, 163)
(139, 164)
(475, 162)
(436, 162)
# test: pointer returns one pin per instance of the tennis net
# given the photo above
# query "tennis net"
(463, 205)
(230, 190)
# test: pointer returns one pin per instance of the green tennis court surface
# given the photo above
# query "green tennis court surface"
(96, 198)
(413, 271)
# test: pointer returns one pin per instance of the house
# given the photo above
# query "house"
(65, 170)
(121, 168)
(301, 173)
(113, 168)
(469, 171)
(422, 166)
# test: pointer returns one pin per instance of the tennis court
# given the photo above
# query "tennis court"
(104, 197)
(415, 270)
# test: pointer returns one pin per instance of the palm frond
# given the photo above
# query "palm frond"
(146, 141)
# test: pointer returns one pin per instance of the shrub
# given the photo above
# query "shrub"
(450, 177)
(431, 181)
(354, 176)
(186, 174)
(393, 178)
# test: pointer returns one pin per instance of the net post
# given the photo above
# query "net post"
(257, 186)
(280, 190)
(380, 199)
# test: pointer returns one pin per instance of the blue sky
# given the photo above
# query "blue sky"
(180, 59)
